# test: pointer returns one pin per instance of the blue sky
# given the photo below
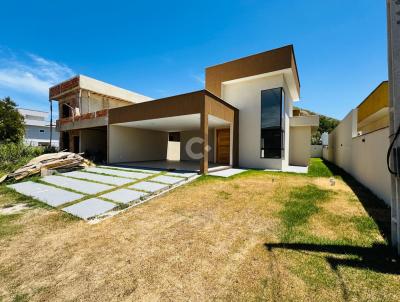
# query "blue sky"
(160, 48)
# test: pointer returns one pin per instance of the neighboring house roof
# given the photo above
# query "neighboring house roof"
(96, 86)
(33, 112)
(373, 112)
(34, 117)
(375, 101)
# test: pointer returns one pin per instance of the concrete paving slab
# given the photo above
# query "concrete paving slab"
(168, 179)
(296, 169)
(149, 171)
(76, 184)
(111, 180)
(181, 174)
(128, 174)
(227, 172)
(47, 194)
(124, 195)
(149, 186)
(89, 208)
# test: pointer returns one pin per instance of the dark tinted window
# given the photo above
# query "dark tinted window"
(174, 136)
(272, 107)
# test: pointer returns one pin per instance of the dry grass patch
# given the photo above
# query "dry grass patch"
(204, 240)
(213, 239)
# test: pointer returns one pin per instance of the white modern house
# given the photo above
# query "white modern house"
(243, 118)
(37, 128)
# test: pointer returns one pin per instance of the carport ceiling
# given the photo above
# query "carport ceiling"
(176, 123)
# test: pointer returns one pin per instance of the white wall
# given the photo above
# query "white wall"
(300, 138)
(324, 138)
(340, 140)
(369, 162)
(130, 144)
(33, 135)
(316, 151)
(364, 157)
(174, 150)
(245, 95)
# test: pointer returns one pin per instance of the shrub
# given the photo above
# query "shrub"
(15, 155)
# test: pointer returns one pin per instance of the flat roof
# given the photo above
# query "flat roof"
(274, 60)
(87, 83)
(33, 112)
(182, 104)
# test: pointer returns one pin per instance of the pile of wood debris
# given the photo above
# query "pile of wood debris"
(46, 162)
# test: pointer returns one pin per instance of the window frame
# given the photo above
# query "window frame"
(282, 108)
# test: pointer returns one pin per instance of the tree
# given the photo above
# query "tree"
(326, 124)
(11, 122)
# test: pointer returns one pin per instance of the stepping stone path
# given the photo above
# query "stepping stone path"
(149, 186)
(89, 208)
(181, 174)
(128, 174)
(168, 179)
(47, 194)
(149, 171)
(76, 185)
(111, 180)
(95, 180)
(124, 195)
(227, 172)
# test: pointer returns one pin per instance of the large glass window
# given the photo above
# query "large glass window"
(272, 123)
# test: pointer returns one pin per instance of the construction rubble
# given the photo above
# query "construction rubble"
(49, 162)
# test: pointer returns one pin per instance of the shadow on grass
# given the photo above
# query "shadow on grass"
(379, 257)
(375, 207)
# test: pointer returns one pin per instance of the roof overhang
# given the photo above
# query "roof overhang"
(192, 103)
(380, 114)
(277, 61)
(176, 123)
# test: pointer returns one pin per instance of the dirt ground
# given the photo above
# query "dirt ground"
(203, 241)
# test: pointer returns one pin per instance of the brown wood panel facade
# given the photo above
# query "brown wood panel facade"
(202, 102)
(265, 62)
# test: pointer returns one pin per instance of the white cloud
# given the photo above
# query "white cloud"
(30, 74)
(198, 78)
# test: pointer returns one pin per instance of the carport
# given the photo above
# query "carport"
(146, 134)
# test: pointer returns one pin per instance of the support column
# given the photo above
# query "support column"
(204, 144)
